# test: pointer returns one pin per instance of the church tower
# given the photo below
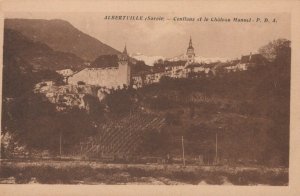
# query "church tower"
(124, 68)
(190, 53)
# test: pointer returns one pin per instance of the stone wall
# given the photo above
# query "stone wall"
(108, 77)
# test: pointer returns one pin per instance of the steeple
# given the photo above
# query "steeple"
(124, 68)
(190, 52)
(125, 50)
(190, 44)
(124, 55)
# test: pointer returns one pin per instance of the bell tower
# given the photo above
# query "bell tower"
(124, 68)
(190, 53)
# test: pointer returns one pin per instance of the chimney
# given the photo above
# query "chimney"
(250, 56)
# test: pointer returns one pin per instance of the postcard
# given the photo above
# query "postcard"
(98, 93)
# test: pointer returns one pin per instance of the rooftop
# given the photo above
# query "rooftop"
(253, 58)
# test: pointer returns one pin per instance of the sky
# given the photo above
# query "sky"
(170, 38)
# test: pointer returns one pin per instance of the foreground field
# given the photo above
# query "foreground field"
(86, 172)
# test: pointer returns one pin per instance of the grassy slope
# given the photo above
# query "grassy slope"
(249, 113)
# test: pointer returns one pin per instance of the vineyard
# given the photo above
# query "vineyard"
(120, 138)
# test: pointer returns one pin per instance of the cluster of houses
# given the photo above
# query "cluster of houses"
(117, 77)
(190, 68)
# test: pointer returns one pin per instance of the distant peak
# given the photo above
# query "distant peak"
(59, 21)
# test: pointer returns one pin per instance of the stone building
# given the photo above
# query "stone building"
(137, 81)
(251, 61)
(110, 77)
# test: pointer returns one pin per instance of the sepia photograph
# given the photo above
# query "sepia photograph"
(127, 98)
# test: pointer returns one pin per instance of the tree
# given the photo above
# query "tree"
(105, 61)
(275, 49)
(120, 102)
(140, 67)
(220, 71)
(94, 107)
(81, 83)
(36, 124)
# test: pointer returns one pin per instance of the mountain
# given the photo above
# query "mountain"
(27, 54)
(61, 36)
(149, 60)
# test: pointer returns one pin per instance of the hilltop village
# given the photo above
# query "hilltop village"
(70, 97)
(100, 81)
